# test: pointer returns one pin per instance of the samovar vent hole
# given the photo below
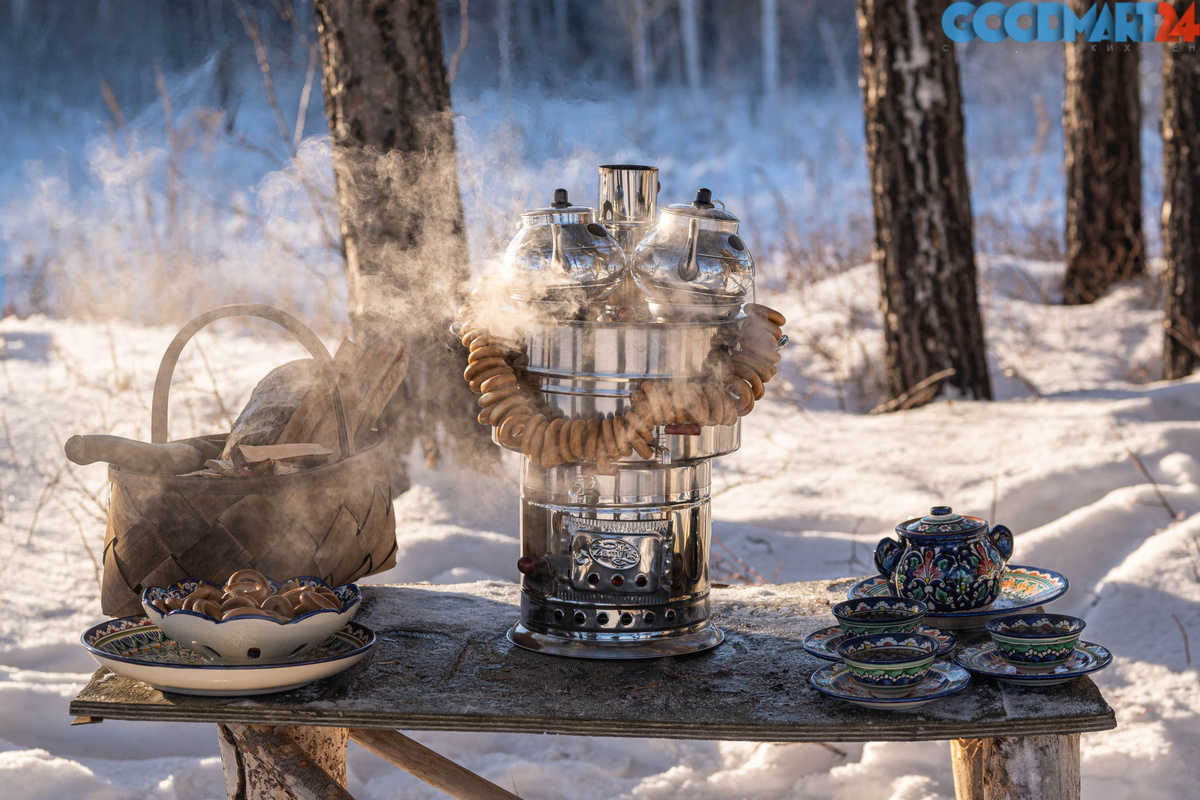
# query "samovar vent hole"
(593, 578)
(641, 581)
(670, 615)
(580, 617)
(617, 580)
(648, 617)
(602, 618)
(626, 618)
(558, 615)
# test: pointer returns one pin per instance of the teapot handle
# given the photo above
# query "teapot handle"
(887, 555)
(1002, 537)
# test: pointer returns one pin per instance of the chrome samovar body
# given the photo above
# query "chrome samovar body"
(617, 565)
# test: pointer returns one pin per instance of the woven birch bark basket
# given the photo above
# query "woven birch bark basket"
(333, 521)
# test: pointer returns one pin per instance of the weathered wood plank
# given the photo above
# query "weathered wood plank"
(443, 664)
(435, 769)
(1017, 768)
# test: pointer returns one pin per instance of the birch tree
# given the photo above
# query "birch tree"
(1101, 128)
(399, 205)
(924, 245)
(770, 50)
(1181, 209)
(689, 28)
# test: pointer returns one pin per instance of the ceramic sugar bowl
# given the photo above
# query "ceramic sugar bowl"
(945, 560)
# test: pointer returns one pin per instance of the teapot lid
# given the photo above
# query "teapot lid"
(559, 212)
(942, 520)
(702, 208)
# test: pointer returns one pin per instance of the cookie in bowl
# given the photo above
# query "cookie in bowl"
(251, 618)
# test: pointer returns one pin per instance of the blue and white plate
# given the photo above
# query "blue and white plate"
(137, 648)
(943, 680)
(1021, 588)
(984, 660)
(824, 643)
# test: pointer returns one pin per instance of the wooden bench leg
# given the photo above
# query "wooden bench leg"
(266, 762)
(1016, 768)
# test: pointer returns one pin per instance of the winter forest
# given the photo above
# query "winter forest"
(1029, 362)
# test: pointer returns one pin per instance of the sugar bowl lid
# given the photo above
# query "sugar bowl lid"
(940, 521)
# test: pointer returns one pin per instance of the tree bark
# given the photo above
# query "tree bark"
(643, 64)
(1101, 129)
(770, 50)
(923, 227)
(1016, 768)
(266, 762)
(401, 213)
(689, 29)
(1181, 209)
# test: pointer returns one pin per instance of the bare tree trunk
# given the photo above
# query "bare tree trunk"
(1181, 208)
(923, 227)
(401, 212)
(505, 47)
(1101, 128)
(770, 50)
(689, 29)
(643, 67)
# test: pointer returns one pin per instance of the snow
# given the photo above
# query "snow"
(808, 495)
(817, 482)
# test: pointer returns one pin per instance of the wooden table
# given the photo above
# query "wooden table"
(443, 663)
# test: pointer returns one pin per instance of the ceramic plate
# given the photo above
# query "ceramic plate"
(136, 648)
(982, 659)
(943, 680)
(1021, 588)
(824, 643)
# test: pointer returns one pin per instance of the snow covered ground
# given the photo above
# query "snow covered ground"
(1096, 470)
(1094, 467)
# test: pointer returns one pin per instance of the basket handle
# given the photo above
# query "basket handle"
(162, 383)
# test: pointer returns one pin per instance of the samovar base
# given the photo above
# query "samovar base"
(614, 646)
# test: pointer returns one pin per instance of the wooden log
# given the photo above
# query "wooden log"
(1017, 768)
(264, 762)
(170, 458)
(367, 378)
(317, 403)
(304, 454)
(431, 767)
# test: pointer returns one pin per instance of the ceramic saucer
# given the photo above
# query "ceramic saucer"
(1021, 588)
(136, 648)
(824, 643)
(983, 659)
(943, 680)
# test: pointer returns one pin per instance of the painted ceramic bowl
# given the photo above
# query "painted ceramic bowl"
(252, 638)
(879, 615)
(1035, 641)
(889, 664)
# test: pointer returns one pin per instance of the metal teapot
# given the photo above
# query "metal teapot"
(693, 264)
(562, 260)
(945, 560)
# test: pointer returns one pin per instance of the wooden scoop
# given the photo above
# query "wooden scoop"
(171, 458)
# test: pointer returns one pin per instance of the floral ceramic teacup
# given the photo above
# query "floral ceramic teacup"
(889, 664)
(1035, 642)
(879, 615)
(945, 560)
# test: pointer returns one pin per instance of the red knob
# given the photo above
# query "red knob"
(527, 565)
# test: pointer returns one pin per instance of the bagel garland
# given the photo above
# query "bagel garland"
(523, 423)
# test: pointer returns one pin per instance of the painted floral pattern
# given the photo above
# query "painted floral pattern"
(950, 577)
